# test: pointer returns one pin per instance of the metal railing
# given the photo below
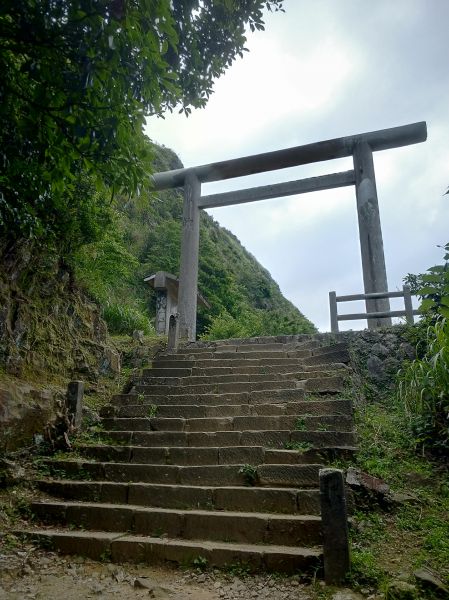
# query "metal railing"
(408, 312)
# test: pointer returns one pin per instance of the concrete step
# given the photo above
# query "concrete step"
(249, 499)
(196, 411)
(239, 423)
(265, 438)
(253, 397)
(236, 455)
(240, 527)
(122, 547)
(223, 475)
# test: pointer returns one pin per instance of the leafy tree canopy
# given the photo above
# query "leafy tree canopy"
(78, 78)
(432, 287)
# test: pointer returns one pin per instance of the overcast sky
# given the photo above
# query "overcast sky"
(325, 69)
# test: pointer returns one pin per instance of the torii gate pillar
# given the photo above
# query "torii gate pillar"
(370, 233)
(188, 272)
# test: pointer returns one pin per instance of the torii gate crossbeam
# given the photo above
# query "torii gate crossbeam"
(360, 146)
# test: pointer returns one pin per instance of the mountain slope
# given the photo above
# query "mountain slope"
(244, 298)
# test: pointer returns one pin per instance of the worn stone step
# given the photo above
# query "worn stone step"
(178, 362)
(227, 455)
(218, 348)
(217, 388)
(297, 339)
(224, 475)
(230, 526)
(237, 377)
(323, 358)
(195, 411)
(325, 385)
(252, 351)
(238, 371)
(300, 339)
(327, 354)
(237, 423)
(249, 499)
(224, 378)
(121, 547)
(266, 438)
(253, 397)
(228, 365)
(332, 384)
(238, 356)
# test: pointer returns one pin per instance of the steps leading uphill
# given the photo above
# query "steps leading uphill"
(214, 453)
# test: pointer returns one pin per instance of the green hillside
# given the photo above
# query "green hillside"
(145, 237)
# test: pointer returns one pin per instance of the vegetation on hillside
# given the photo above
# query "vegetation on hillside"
(404, 440)
(410, 528)
(424, 383)
(78, 79)
(145, 237)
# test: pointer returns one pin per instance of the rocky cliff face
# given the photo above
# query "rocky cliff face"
(49, 331)
(46, 324)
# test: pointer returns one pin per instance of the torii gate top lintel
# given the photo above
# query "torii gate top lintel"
(360, 146)
(382, 139)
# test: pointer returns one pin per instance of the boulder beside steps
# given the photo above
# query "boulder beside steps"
(214, 453)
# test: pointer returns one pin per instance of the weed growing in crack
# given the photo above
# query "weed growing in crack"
(249, 473)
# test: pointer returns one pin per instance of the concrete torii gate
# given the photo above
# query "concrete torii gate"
(361, 147)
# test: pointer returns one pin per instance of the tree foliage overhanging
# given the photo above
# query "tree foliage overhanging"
(78, 78)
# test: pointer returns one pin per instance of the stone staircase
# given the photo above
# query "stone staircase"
(212, 457)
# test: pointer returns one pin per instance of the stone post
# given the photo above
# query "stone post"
(172, 343)
(161, 312)
(334, 520)
(370, 232)
(74, 402)
(188, 276)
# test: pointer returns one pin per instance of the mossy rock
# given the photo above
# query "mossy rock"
(401, 590)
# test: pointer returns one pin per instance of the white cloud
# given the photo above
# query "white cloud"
(322, 70)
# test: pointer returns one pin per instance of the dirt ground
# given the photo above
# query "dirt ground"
(29, 573)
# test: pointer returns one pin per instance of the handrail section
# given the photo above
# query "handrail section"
(408, 311)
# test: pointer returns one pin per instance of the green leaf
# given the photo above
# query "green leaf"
(425, 291)
(426, 304)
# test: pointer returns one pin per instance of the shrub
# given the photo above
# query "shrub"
(424, 390)
(125, 319)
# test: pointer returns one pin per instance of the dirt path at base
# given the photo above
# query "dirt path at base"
(27, 573)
